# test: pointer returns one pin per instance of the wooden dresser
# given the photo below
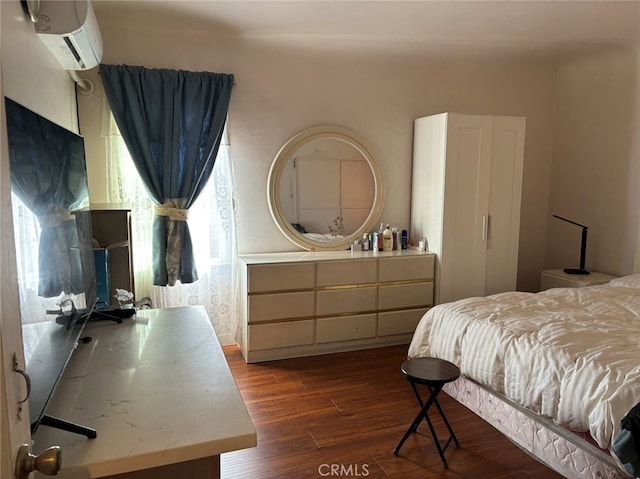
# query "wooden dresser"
(301, 304)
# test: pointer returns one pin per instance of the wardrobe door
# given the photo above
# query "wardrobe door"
(507, 153)
(357, 192)
(318, 193)
(466, 207)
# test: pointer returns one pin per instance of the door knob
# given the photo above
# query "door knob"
(48, 462)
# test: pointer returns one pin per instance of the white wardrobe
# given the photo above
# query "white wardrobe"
(466, 193)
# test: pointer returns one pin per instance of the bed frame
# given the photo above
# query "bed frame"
(561, 450)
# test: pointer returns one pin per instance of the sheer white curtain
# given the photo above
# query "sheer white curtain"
(27, 237)
(212, 223)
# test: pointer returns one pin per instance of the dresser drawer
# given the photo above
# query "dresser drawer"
(281, 277)
(299, 304)
(265, 307)
(335, 273)
(402, 296)
(399, 322)
(280, 335)
(406, 268)
(345, 328)
(351, 300)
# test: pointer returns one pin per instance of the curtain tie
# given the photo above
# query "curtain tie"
(55, 219)
(170, 209)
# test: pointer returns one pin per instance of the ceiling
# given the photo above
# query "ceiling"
(545, 29)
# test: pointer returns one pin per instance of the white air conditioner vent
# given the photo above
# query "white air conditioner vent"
(70, 31)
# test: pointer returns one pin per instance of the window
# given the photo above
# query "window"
(213, 233)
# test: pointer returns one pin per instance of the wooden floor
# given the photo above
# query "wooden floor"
(341, 415)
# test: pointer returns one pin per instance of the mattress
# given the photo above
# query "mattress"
(567, 354)
(561, 450)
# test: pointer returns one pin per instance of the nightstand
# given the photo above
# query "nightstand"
(557, 278)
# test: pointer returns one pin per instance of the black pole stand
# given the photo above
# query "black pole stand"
(68, 426)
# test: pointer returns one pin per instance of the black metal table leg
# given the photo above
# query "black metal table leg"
(414, 425)
(433, 373)
(452, 435)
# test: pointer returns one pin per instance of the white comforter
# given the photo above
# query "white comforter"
(572, 354)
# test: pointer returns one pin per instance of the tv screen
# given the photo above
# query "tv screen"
(54, 246)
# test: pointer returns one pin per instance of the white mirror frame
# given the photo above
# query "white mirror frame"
(275, 174)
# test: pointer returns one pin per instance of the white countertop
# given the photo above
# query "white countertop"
(297, 256)
(158, 390)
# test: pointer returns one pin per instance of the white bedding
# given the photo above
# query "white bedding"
(571, 354)
(323, 236)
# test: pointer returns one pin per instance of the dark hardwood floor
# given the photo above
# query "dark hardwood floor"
(341, 415)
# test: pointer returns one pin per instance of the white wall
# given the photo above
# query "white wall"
(595, 176)
(31, 75)
(280, 92)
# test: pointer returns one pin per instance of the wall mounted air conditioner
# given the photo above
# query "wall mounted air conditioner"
(70, 30)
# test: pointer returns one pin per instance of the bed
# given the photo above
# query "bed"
(555, 371)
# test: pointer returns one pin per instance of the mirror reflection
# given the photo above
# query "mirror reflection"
(325, 189)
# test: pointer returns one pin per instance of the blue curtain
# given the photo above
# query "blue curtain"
(172, 123)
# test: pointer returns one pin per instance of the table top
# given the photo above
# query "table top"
(158, 390)
(430, 370)
(593, 276)
(299, 256)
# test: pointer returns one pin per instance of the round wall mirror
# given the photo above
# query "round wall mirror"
(325, 189)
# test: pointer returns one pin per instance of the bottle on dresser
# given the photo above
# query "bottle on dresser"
(381, 237)
(365, 242)
(404, 243)
(387, 239)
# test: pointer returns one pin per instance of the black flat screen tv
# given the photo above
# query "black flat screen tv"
(54, 250)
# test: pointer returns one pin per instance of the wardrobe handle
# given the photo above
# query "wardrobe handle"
(485, 227)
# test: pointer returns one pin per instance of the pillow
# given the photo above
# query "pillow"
(630, 281)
